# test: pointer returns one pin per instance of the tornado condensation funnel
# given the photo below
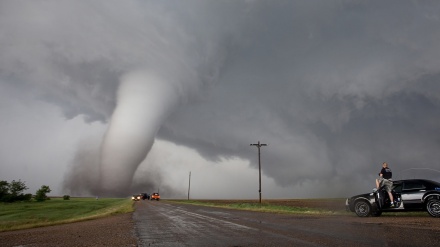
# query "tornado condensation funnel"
(144, 100)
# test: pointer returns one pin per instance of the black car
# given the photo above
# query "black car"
(136, 197)
(409, 195)
(145, 196)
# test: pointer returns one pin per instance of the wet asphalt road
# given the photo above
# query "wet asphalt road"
(169, 224)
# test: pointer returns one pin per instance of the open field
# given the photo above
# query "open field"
(322, 206)
(22, 215)
(14, 216)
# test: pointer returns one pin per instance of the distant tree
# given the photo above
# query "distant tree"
(4, 190)
(66, 197)
(11, 192)
(4, 187)
(16, 188)
(40, 195)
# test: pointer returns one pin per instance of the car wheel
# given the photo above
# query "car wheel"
(433, 207)
(362, 208)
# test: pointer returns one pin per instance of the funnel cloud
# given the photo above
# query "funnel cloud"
(122, 97)
(143, 103)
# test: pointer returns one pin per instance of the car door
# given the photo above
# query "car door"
(412, 193)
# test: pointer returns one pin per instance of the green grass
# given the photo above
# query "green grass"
(263, 207)
(277, 208)
(272, 207)
(22, 215)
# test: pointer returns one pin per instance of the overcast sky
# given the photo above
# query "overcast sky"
(113, 98)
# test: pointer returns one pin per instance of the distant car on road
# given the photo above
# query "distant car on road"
(409, 195)
(136, 197)
(145, 196)
(155, 196)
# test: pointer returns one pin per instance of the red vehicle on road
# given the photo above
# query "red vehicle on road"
(155, 196)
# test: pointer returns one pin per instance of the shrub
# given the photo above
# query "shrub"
(25, 197)
(66, 197)
(41, 193)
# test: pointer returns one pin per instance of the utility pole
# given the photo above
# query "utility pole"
(259, 145)
(189, 184)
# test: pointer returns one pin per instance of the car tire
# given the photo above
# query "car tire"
(433, 207)
(362, 208)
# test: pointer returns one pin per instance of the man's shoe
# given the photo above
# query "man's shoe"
(392, 205)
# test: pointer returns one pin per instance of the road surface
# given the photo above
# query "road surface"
(159, 223)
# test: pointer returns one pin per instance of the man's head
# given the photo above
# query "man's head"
(384, 165)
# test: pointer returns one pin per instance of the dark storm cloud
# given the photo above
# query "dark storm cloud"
(334, 87)
(333, 91)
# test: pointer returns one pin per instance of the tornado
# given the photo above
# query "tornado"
(144, 100)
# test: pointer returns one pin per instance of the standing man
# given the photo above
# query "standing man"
(385, 176)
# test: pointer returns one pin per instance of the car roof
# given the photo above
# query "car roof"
(419, 180)
(415, 179)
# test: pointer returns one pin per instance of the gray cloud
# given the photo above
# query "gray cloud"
(334, 87)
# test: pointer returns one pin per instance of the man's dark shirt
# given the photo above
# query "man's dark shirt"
(386, 173)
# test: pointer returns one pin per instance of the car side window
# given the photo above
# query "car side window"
(413, 185)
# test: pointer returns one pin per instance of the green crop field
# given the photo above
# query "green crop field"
(21, 215)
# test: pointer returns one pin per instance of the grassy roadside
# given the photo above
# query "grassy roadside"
(268, 206)
(321, 207)
(22, 215)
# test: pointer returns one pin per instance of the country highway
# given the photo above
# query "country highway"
(161, 223)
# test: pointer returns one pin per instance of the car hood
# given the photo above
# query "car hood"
(363, 195)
